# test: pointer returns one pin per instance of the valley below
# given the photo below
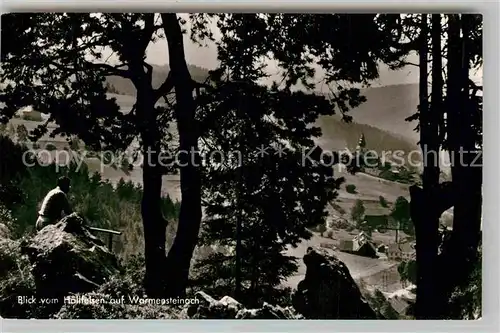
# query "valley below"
(336, 136)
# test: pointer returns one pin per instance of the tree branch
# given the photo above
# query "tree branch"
(149, 70)
(165, 87)
(112, 70)
(443, 196)
(475, 87)
(149, 30)
(407, 63)
(200, 85)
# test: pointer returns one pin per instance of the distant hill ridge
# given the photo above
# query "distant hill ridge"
(125, 87)
(386, 107)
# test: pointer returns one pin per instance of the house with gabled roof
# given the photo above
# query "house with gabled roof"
(360, 245)
(401, 251)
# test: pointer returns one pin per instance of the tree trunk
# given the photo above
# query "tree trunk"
(237, 266)
(423, 209)
(152, 217)
(428, 236)
(181, 252)
(459, 254)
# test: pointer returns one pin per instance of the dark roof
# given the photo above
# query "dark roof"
(370, 245)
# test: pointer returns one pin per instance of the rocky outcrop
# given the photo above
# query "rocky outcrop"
(210, 308)
(228, 308)
(328, 290)
(268, 311)
(67, 258)
(59, 260)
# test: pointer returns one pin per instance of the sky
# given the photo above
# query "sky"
(206, 57)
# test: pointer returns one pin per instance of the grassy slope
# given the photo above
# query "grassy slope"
(381, 118)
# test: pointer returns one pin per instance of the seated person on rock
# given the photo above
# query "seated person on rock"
(55, 205)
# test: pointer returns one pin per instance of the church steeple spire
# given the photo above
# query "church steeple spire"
(361, 142)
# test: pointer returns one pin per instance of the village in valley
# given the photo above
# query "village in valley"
(283, 170)
(368, 226)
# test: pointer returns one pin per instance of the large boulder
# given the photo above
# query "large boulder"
(66, 258)
(228, 308)
(268, 311)
(208, 307)
(328, 291)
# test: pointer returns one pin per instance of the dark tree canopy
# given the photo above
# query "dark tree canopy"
(56, 63)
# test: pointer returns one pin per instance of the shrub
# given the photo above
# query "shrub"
(22, 133)
(351, 188)
(102, 204)
(17, 280)
(329, 234)
(338, 208)
(349, 228)
(381, 304)
(74, 144)
(115, 207)
(466, 300)
(321, 228)
(109, 308)
(383, 202)
(7, 222)
(11, 161)
(32, 116)
(50, 147)
(358, 211)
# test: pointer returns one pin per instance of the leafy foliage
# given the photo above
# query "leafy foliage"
(350, 188)
(321, 228)
(408, 271)
(273, 198)
(466, 300)
(67, 82)
(383, 202)
(100, 202)
(401, 214)
(22, 133)
(62, 81)
(358, 211)
(380, 303)
(265, 200)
